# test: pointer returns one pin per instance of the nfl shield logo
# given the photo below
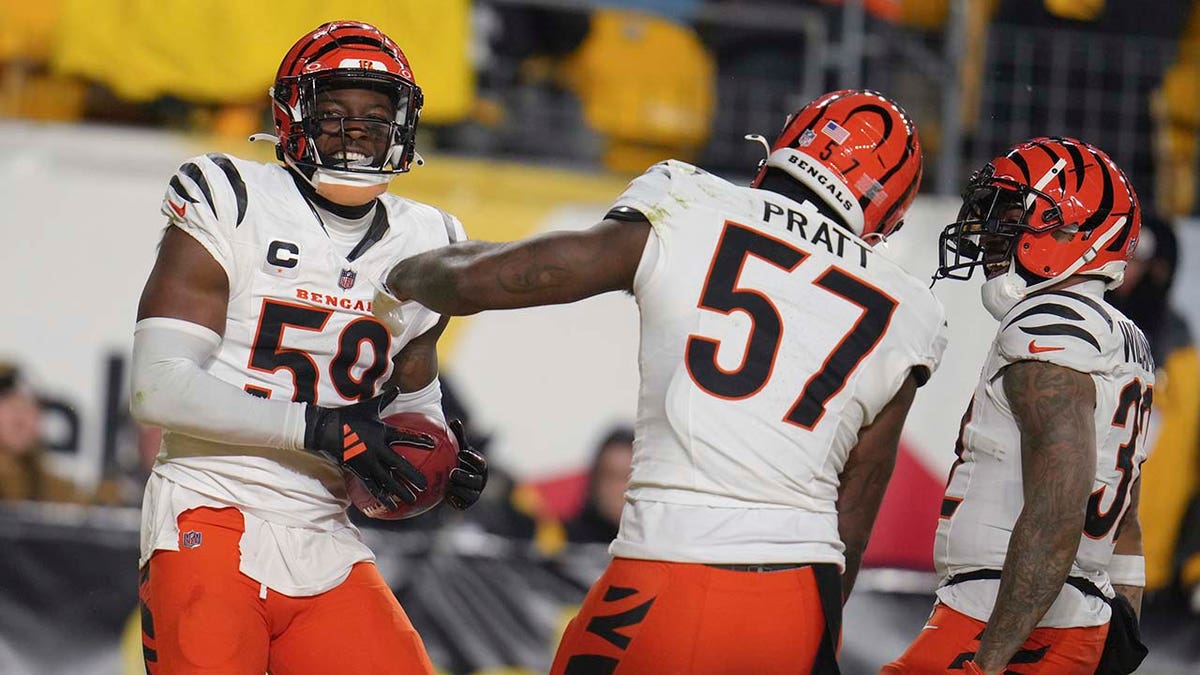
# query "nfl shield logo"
(346, 280)
(192, 539)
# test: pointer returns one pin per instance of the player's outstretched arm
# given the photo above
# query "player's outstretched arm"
(547, 269)
(865, 477)
(1127, 567)
(1054, 408)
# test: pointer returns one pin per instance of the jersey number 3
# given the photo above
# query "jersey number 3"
(722, 294)
(1137, 400)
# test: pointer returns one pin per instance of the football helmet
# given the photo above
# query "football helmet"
(1047, 209)
(344, 55)
(857, 150)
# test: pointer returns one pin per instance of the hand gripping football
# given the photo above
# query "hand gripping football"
(435, 464)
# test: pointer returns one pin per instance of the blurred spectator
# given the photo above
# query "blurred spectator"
(609, 475)
(666, 111)
(522, 104)
(1171, 477)
(24, 474)
(1176, 109)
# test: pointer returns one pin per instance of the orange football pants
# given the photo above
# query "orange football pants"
(662, 618)
(949, 638)
(200, 614)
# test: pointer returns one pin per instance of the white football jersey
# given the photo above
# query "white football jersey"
(299, 328)
(769, 337)
(1077, 329)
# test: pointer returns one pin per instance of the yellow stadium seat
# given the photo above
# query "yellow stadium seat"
(28, 29)
(646, 84)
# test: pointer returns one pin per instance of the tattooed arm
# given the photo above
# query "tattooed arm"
(865, 477)
(1054, 409)
(547, 269)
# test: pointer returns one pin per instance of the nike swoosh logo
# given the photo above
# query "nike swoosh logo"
(1035, 349)
(179, 210)
(928, 626)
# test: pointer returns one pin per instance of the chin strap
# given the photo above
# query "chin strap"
(1087, 257)
(758, 138)
(264, 137)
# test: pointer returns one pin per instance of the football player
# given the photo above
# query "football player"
(780, 352)
(1038, 543)
(257, 351)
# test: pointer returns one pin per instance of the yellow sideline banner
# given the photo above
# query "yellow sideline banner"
(227, 51)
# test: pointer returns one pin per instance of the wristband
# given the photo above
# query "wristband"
(1127, 570)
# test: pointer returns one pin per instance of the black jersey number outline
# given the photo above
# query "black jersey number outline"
(722, 294)
(1139, 399)
(269, 355)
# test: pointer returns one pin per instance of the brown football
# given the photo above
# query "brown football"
(434, 464)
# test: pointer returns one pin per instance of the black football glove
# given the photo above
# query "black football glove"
(355, 438)
(467, 480)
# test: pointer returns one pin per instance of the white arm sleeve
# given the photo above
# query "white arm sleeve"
(427, 400)
(171, 390)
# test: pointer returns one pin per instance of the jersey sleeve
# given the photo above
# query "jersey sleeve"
(1066, 329)
(930, 357)
(455, 232)
(207, 199)
(921, 338)
(646, 195)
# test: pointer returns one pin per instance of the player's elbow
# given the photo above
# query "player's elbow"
(151, 402)
(146, 405)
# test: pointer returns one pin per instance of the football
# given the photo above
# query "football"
(434, 464)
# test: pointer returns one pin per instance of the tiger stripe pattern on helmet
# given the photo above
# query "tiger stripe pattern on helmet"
(1081, 213)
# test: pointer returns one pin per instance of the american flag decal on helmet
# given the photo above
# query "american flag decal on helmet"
(835, 131)
(346, 279)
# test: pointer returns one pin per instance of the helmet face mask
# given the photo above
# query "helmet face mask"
(343, 117)
(345, 101)
(995, 213)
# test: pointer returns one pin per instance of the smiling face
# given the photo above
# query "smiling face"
(354, 127)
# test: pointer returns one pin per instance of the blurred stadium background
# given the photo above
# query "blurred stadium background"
(537, 114)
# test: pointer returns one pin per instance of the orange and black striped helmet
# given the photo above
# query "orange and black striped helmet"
(856, 149)
(1056, 206)
(344, 54)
